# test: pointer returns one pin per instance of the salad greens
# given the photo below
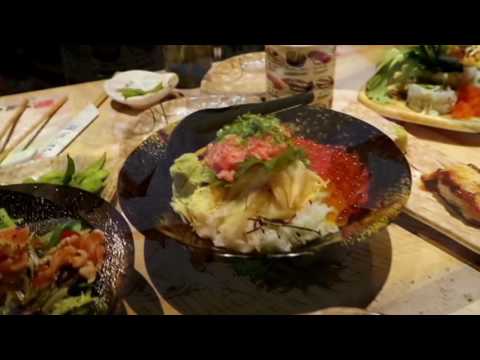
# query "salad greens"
(6, 221)
(92, 179)
(56, 234)
(73, 304)
(52, 301)
(412, 64)
(132, 92)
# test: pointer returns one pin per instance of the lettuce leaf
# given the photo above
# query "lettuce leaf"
(377, 86)
(287, 157)
(5, 220)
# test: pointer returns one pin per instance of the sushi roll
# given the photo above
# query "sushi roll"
(431, 99)
(472, 76)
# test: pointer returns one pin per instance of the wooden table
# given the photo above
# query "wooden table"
(425, 273)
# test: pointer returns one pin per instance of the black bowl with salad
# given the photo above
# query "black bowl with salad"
(63, 251)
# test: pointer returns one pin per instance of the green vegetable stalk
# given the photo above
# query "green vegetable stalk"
(132, 92)
(92, 179)
(73, 304)
(406, 65)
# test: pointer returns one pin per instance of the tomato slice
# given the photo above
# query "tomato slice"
(68, 233)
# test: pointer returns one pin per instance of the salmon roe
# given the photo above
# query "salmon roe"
(468, 104)
(348, 177)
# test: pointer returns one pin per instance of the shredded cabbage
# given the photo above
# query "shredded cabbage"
(72, 303)
(292, 197)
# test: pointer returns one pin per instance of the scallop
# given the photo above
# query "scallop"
(431, 99)
(472, 75)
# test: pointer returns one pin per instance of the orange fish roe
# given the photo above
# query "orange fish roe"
(468, 104)
(348, 176)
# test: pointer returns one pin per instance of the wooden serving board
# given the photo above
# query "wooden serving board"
(426, 155)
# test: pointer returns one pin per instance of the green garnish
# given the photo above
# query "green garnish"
(249, 125)
(278, 163)
(132, 92)
(57, 233)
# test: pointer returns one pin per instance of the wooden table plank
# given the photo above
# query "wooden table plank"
(425, 279)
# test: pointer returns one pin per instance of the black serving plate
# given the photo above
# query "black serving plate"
(42, 206)
(145, 185)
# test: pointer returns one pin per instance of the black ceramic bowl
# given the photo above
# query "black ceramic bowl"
(43, 206)
(145, 183)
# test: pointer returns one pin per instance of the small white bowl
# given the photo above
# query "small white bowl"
(140, 79)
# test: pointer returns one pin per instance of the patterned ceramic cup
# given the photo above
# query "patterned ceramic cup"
(295, 69)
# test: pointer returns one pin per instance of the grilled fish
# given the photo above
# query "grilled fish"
(459, 186)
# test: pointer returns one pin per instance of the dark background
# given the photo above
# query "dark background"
(26, 68)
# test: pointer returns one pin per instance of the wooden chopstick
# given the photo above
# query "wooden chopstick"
(12, 122)
(42, 122)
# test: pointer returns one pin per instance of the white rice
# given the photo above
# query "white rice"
(284, 238)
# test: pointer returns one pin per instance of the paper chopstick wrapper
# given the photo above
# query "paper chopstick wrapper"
(55, 145)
